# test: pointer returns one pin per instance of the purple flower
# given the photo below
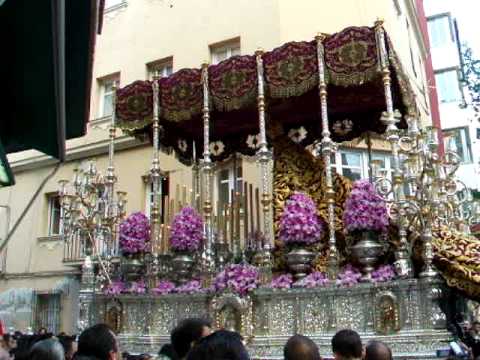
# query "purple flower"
(191, 287)
(163, 287)
(365, 209)
(237, 278)
(134, 234)
(114, 288)
(187, 230)
(315, 279)
(283, 281)
(383, 273)
(299, 223)
(137, 287)
(349, 276)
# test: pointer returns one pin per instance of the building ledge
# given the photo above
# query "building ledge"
(113, 8)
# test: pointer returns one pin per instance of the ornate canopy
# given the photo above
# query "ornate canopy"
(356, 96)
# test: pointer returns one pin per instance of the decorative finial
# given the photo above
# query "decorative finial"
(320, 36)
(379, 22)
(259, 51)
(156, 75)
(205, 64)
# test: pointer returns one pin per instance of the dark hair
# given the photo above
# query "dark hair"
(168, 351)
(67, 343)
(377, 350)
(221, 345)
(187, 332)
(49, 349)
(347, 344)
(97, 341)
(300, 347)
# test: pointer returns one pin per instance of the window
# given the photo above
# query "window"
(47, 312)
(54, 215)
(355, 164)
(447, 86)
(164, 67)
(228, 182)
(478, 133)
(458, 140)
(440, 30)
(106, 96)
(224, 50)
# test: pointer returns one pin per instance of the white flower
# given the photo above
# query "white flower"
(342, 127)
(182, 145)
(253, 141)
(217, 147)
(298, 135)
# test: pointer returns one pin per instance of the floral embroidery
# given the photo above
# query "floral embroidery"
(298, 135)
(182, 145)
(253, 141)
(217, 148)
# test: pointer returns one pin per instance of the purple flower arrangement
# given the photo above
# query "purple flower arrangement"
(283, 281)
(163, 287)
(349, 276)
(238, 278)
(137, 287)
(299, 223)
(191, 287)
(114, 288)
(134, 234)
(365, 209)
(187, 230)
(315, 279)
(383, 273)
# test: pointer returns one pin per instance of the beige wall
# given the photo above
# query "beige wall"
(148, 30)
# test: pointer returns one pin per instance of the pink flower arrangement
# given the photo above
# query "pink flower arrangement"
(365, 209)
(163, 287)
(238, 278)
(315, 279)
(299, 223)
(134, 234)
(187, 230)
(383, 273)
(349, 276)
(191, 287)
(283, 281)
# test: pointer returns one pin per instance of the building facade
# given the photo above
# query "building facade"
(460, 129)
(39, 276)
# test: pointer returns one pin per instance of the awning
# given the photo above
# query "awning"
(46, 69)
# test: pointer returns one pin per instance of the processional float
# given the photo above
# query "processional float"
(232, 262)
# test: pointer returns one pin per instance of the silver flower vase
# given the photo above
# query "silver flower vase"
(182, 266)
(300, 262)
(366, 252)
(132, 267)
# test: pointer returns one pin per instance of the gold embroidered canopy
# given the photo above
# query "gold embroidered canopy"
(355, 95)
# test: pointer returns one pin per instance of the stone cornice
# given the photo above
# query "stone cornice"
(39, 274)
(75, 153)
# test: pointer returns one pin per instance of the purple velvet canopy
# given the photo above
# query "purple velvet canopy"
(355, 96)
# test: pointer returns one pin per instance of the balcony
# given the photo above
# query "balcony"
(76, 248)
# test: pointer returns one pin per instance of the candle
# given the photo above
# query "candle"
(245, 212)
(250, 193)
(237, 220)
(194, 152)
(177, 196)
(184, 196)
(191, 197)
(257, 205)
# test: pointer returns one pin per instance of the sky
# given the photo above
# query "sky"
(467, 13)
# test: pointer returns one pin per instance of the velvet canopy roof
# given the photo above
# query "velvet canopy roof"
(356, 96)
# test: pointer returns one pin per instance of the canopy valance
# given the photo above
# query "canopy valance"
(356, 96)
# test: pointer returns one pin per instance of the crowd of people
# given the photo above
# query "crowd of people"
(193, 339)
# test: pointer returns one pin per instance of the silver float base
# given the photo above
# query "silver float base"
(404, 313)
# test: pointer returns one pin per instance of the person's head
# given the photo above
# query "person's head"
(476, 326)
(98, 342)
(167, 352)
(42, 331)
(187, 333)
(300, 347)
(346, 344)
(221, 345)
(48, 349)
(377, 350)
(69, 346)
